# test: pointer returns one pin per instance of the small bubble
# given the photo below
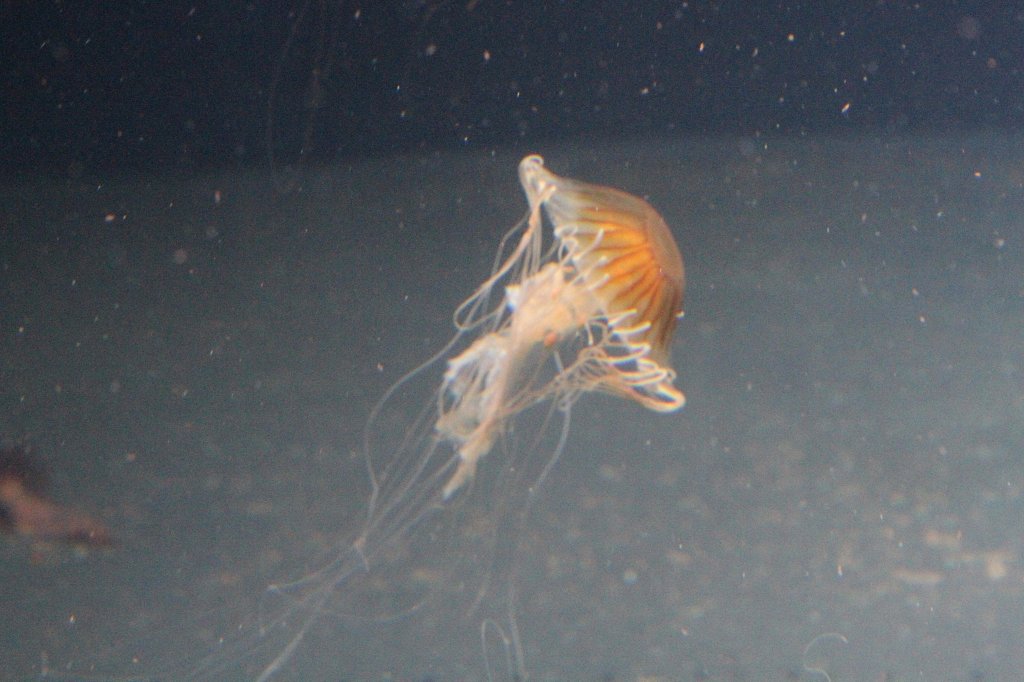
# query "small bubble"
(969, 28)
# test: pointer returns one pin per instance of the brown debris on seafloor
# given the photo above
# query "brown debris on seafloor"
(26, 511)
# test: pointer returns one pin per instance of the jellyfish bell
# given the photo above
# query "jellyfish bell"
(623, 250)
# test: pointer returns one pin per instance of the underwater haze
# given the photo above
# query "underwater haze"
(841, 494)
(355, 387)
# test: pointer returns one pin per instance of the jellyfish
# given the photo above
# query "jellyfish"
(614, 279)
(593, 311)
(593, 308)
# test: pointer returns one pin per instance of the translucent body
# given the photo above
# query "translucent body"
(615, 276)
(594, 311)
